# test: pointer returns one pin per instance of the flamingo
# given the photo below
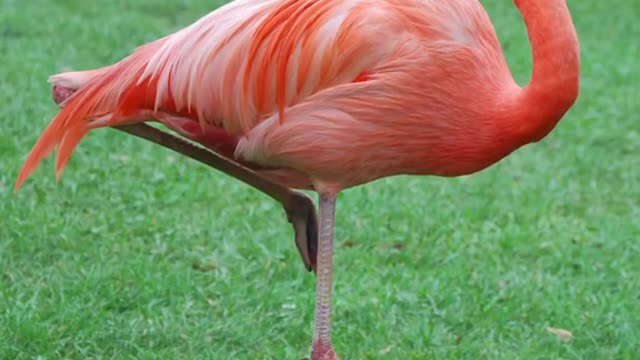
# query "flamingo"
(331, 94)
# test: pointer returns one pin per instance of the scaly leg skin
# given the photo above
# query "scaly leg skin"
(322, 348)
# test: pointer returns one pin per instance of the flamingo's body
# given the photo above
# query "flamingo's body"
(330, 94)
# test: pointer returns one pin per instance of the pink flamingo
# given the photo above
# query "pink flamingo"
(331, 94)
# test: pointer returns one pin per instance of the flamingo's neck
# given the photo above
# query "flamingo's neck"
(555, 79)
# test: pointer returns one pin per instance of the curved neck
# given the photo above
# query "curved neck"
(554, 84)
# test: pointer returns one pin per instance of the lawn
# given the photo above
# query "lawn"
(140, 254)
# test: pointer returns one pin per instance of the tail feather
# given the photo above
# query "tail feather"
(68, 144)
(98, 92)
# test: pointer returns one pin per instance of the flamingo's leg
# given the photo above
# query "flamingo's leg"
(297, 205)
(322, 347)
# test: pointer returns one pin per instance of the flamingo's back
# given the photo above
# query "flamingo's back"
(252, 59)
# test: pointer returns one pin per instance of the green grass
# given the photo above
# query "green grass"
(140, 254)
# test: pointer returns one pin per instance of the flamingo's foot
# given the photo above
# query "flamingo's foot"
(323, 351)
(61, 93)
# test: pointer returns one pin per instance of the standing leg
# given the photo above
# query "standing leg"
(322, 348)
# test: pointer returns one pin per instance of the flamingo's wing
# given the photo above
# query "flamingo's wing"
(244, 62)
(253, 58)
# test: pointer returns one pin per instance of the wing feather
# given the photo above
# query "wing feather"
(236, 73)
(237, 66)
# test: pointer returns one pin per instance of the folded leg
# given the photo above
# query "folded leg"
(298, 206)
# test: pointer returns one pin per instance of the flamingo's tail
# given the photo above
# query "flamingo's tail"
(108, 96)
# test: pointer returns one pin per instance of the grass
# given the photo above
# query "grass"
(140, 254)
